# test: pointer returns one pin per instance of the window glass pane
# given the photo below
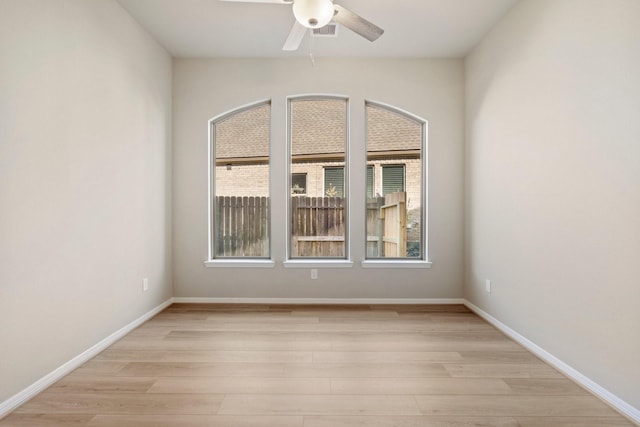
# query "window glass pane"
(298, 183)
(394, 205)
(241, 184)
(318, 138)
(392, 179)
(334, 182)
(370, 181)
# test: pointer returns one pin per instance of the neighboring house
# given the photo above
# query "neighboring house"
(318, 146)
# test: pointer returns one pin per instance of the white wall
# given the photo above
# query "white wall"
(85, 206)
(432, 89)
(553, 173)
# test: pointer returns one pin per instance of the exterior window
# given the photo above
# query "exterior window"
(334, 182)
(317, 148)
(392, 179)
(239, 147)
(298, 183)
(395, 205)
(370, 181)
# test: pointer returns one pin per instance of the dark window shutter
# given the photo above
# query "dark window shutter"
(370, 186)
(392, 179)
(334, 178)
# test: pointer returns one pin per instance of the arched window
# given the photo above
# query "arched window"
(396, 183)
(318, 169)
(316, 215)
(239, 183)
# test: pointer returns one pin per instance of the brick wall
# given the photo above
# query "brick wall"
(242, 180)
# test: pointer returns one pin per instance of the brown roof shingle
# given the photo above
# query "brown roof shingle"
(318, 127)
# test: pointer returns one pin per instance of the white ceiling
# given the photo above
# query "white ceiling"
(413, 28)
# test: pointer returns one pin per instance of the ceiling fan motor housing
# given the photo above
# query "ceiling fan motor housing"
(313, 13)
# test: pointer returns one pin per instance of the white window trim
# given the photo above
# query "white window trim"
(424, 261)
(317, 263)
(239, 263)
(346, 262)
(308, 262)
(211, 175)
(395, 263)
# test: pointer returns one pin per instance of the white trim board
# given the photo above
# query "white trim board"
(316, 301)
(18, 399)
(618, 404)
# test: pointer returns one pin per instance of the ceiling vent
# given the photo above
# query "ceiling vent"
(329, 30)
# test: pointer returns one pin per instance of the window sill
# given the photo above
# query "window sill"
(239, 263)
(318, 263)
(395, 263)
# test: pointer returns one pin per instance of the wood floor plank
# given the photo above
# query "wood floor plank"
(237, 385)
(100, 367)
(92, 384)
(331, 325)
(197, 369)
(323, 313)
(459, 346)
(238, 356)
(542, 406)
(122, 403)
(227, 345)
(386, 356)
(424, 308)
(116, 355)
(521, 356)
(617, 421)
(194, 421)
(544, 386)
(502, 370)
(364, 370)
(408, 421)
(279, 319)
(318, 405)
(45, 420)
(419, 386)
(333, 336)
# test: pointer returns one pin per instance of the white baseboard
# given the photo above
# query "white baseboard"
(316, 301)
(620, 405)
(18, 399)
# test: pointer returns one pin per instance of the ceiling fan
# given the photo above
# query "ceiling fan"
(311, 14)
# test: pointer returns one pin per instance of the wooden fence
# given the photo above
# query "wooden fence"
(375, 228)
(317, 227)
(242, 226)
(387, 226)
(394, 217)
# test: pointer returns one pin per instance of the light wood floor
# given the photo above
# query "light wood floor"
(315, 366)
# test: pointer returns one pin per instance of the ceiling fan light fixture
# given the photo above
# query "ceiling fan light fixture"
(313, 13)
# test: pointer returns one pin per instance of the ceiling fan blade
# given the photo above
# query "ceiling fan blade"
(356, 23)
(260, 1)
(295, 37)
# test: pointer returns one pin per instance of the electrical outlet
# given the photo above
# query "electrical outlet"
(314, 273)
(487, 286)
(145, 284)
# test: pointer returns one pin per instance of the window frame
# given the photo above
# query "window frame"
(371, 168)
(306, 186)
(212, 260)
(389, 166)
(424, 260)
(324, 178)
(309, 262)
